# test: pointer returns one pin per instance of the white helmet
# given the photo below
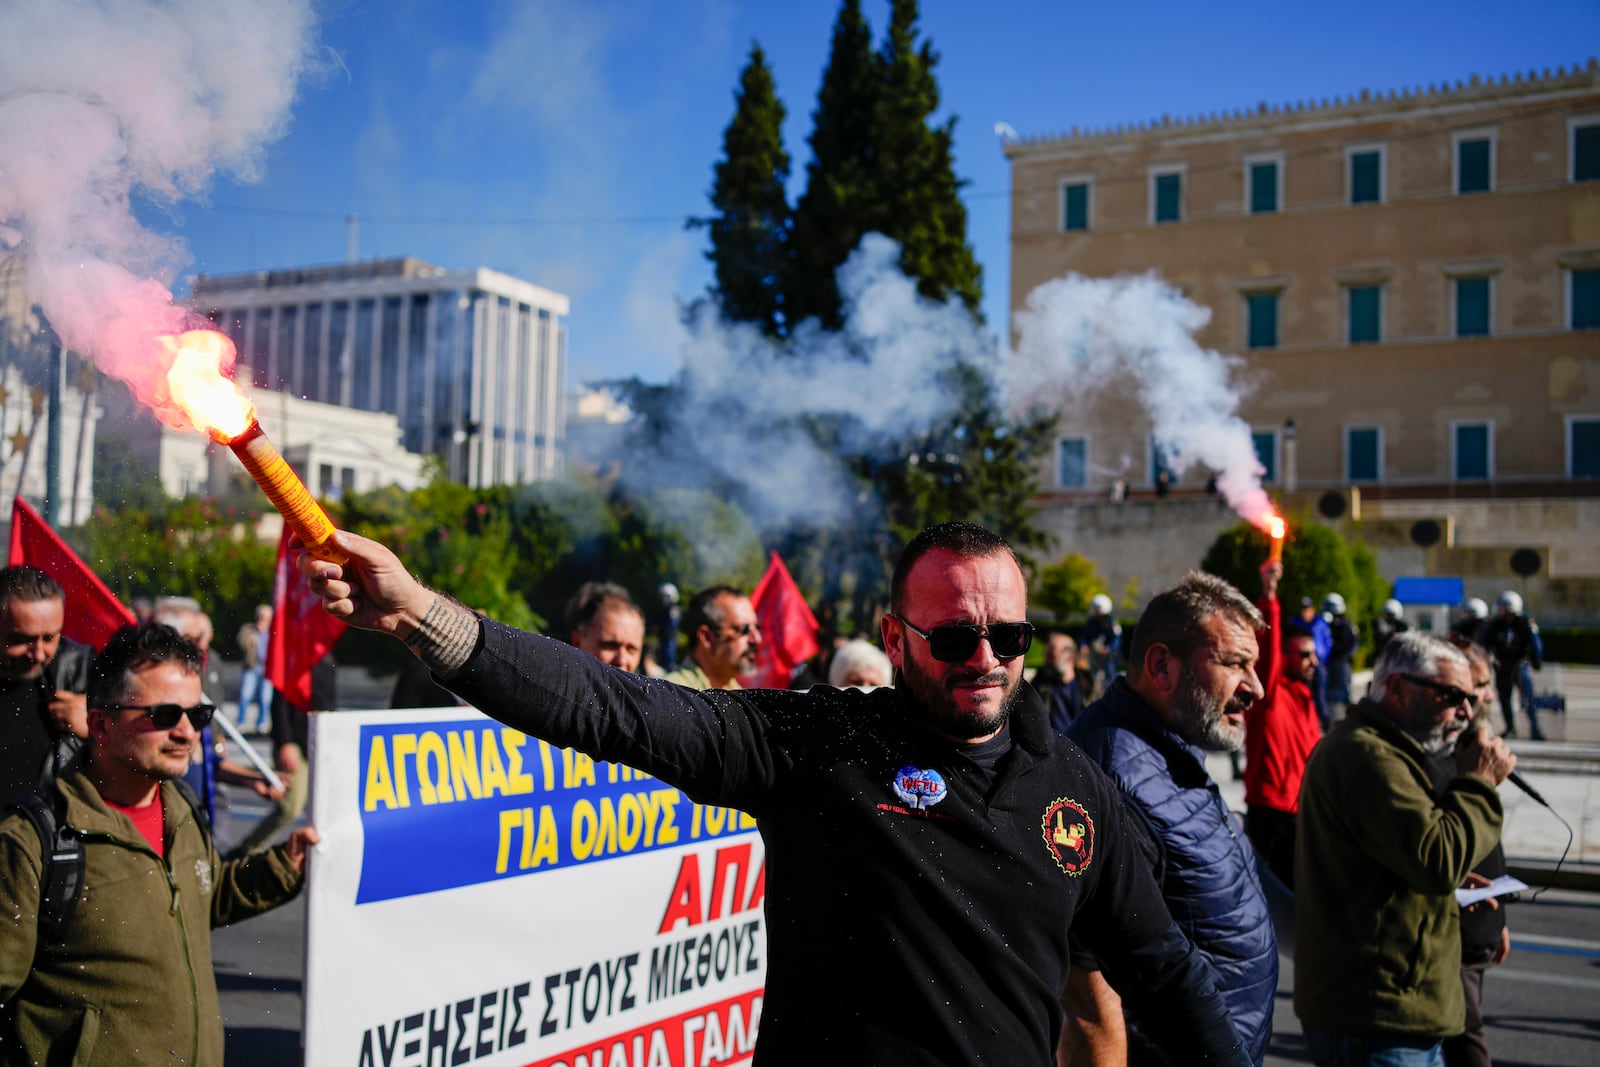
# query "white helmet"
(1392, 607)
(1333, 603)
(1511, 601)
(1475, 607)
(1100, 604)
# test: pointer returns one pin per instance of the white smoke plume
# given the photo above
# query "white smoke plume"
(102, 102)
(1080, 336)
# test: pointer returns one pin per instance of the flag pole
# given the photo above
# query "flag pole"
(250, 753)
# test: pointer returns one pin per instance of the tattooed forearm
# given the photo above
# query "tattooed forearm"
(446, 636)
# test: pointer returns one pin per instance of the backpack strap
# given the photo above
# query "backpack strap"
(61, 880)
(199, 806)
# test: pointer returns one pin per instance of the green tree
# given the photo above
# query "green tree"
(750, 230)
(1065, 587)
(1316, 560)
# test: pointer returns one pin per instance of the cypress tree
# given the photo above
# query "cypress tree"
(750, 230)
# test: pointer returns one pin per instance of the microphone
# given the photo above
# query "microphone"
(1521, 783)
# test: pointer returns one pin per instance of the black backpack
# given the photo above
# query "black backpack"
(61, 882)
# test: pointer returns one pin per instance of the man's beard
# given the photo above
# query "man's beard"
(1200, 716)
(1436, 738)
(934, 695)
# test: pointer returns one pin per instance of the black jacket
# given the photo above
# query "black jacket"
(911, 912)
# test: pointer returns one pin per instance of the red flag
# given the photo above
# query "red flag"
(302, 633)
(788, 629)
(93, 612)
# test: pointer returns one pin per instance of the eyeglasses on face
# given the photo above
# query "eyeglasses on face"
(166, 716)
(1452, 696)
(744, 630)
(957, 641)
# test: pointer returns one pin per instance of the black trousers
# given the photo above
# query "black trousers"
(1272, 833)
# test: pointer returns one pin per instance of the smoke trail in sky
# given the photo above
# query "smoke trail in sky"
(1079, 336)
(100, 103)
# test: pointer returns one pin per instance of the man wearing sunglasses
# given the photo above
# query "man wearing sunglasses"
(724, 639)
(128, 976)
(929, 845)
(1380, 854)
(1191, 678)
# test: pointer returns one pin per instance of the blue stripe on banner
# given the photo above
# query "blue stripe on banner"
(454, 803)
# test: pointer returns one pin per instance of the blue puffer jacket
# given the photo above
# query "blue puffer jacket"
(1205, 865)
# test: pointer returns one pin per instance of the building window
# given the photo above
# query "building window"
(1583, 446)
(1472, 307)
(1585, 149)
(1266, 445)
(1166, 196)
(1261, 320)
(1584, 300)
(1072, 462)
(1366, 314)
(1472, 451)
(1366, 175)
(1474, 163)
(1075, 205)
(1263, 185)
(1363, 454)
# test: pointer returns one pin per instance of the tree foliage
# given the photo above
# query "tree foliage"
(750, 230)
(1065, 587)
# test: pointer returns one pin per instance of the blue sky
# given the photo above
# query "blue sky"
(566, 142)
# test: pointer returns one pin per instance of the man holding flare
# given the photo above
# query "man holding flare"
(930, 844)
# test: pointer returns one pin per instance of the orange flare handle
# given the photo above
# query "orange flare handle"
(1275, 554)
(287, 492)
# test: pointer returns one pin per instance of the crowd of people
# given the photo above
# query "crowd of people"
(1138, 927)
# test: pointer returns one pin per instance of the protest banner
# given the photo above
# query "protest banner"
(481, 897)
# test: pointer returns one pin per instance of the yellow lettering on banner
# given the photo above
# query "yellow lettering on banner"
(547, 845)
(666, 829)
(380, 786)
(527, 839)
(434, 784)
(746, 820)
(494, 769)
(404, 745)
(547, 760)
(585, 828)
(630, 821)
(607, 835)
(509, 818)
(716, 820)
(518, 781)
(577, 769)
(464, 765)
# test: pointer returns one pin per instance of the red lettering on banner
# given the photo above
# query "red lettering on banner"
(714, 1035)
(685, 902)
(730, 870)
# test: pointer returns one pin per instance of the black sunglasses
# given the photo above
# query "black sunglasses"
(956, 642)
(744, 630)
(166, 716)
(1449, 692)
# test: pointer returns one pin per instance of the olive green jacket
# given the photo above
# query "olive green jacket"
(1377, 863)
(129, 980)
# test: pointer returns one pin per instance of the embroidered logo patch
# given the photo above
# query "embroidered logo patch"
(1069, 834)
(919, 788)
(202, 874)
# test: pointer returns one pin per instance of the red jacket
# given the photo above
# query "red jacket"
(1280, 729)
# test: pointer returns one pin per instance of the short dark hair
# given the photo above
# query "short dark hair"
(133, 648)
(965, 539)
(29, 585)
(1177, 617)
(592, 598)
(703, 609)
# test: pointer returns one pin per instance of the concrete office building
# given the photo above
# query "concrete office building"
(472, 363)
(1413, 281)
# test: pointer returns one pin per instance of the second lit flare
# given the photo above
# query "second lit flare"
(214, 404)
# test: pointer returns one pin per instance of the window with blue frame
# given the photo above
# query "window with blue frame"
(1474, 158)
(1075, 206)
(1362, 454)
(1167, 189)
(1585, 299)
(1366, 176)
(1072, 462)
(1366, 314)
(1261, 320)
(1586, 152)
(1472, 307)
(1266, 445)
(1583, 446)
(1471, 451)
(1264, 187)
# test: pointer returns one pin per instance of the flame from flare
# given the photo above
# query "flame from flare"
(196, 383)
(1276, 527)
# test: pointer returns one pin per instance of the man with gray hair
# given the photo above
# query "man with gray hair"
(724, 639)
(1380, 853)
(1190, 678)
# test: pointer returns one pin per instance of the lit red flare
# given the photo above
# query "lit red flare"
(1276, 529)
(217, 406)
